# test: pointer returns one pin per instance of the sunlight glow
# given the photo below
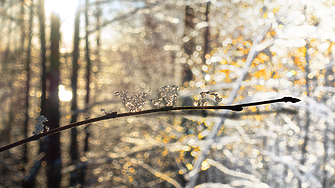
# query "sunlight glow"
(64, 95)
(64, 8)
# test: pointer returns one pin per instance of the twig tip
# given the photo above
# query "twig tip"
(291, 99)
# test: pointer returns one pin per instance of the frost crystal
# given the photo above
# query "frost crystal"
(135, 102)
(167, 94)
(108, 113)
(202, 102)
(39, 126)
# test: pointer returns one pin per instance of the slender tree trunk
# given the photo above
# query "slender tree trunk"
(6, 62)
(88, 65)
(307, 115)
(31, 17)
(189, 45)
(325, 156)
(5, 135)
(25, 157)
(28, 181)
(207, 34)
(21, 52)
(54, 158)
(41, 19)
(88, 82)
(74, 85)
(88, 61)
(21, 23)
(1, 29)
(329, 81)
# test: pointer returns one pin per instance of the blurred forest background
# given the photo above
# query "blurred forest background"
(65, 59)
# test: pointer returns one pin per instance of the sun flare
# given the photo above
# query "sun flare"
(63, 8)
(64, 95)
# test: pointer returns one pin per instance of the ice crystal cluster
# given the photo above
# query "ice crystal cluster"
(203, 102)
(39, 126)
(135, 102)
(167, 95)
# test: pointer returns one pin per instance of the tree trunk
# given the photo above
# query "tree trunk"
(307, 115)
(329, 82)
(189, 45)
(21, 23)
(28, 181)
(31, 16)
(88, 61)
(88, 82)
(207, 35)
(54, 161)
(41, 18)
(6, 62)
(74, 85)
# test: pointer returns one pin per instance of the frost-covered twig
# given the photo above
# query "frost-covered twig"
(225, 170)
(156, 173)
(112, 115)
(287, 160)
(214, 185)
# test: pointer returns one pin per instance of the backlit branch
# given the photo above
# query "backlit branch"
(163, 109)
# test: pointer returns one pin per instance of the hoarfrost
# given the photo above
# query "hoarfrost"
(168, 94)
(135, 102)
(39, 126)
(202, 102)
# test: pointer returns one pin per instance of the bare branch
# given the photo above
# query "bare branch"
(118, 18)
(163, 109)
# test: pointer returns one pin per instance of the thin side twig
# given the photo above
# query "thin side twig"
(163, 109)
